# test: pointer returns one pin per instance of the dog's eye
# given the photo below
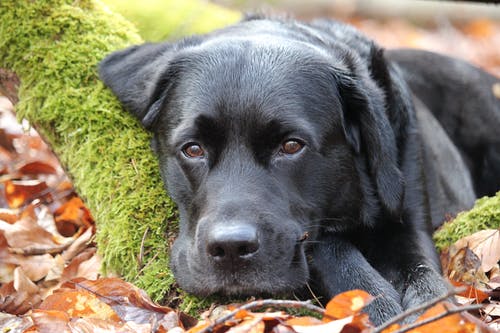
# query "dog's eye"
(291, 147)
(193, 150)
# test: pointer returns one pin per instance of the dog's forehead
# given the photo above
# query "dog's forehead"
(245, 80)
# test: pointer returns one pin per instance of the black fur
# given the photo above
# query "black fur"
(353, 207)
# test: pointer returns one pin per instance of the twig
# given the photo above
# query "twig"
(140, 258)
(448, 312)
(264, 303)
(416, 309)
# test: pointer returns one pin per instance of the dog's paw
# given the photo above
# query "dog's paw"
(382, 309)
(424, 284)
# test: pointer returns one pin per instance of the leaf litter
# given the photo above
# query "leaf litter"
(49, 266)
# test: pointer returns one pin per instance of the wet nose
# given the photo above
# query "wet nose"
(232, 244)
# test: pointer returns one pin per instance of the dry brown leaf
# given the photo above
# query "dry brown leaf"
(50, 321)
(129, 302)
(90, 269)
(35, 267)
(22, 282)
(87, 264)
(56, 270)
(92, 325)
(465, 266)
(485, 244)
(492, 309)
(26, 233)
(20, 295)
(78, 245)
(14, 324)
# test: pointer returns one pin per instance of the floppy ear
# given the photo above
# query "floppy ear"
(368, 129)
(136, 77)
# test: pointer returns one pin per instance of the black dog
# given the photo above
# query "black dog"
(303, 153)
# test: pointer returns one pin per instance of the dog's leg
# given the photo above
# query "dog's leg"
(407, 257)
(339, 266)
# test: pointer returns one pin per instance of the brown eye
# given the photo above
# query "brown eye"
(193, 150)
(291, 147)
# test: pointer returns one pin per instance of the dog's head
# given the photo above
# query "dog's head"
(267, 135)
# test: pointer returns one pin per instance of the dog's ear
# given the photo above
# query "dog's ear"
(136, 76)
(368, 130)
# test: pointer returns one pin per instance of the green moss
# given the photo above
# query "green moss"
(54, 46)
(159, 19)
(484, 215)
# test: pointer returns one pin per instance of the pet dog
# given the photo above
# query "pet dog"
(303, 153)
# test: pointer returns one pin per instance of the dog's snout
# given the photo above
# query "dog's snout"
(232, 244)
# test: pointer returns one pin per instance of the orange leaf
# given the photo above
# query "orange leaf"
(126, 300)
(8, 216)
(72, 215)
(21, 192)
(470, 291)
(79, 304)
(303, 321)
(36, 168)
(454, 323)
(346, 304)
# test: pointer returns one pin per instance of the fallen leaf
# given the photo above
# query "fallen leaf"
(13, 323)
(19, 295)
(470, 292)
(335, 326)
(8, 215)
(492, 309)
(93, 325)
(129, 302)
(86, 265)
(21, 192)
(346, 304)
(454, 323)
(486, 246)
(465, 266)
(78, 245)
(50, 321)
(252, 325)
(71, 216)
(303, 321)
(26, 233)
(36, 168)
(79, 304)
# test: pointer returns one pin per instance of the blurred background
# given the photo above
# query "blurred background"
(465, 29)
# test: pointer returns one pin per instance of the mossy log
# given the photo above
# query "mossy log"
(484, 215)
(54, 46)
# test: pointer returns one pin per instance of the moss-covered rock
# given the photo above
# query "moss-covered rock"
(484, 215)
(54, 47)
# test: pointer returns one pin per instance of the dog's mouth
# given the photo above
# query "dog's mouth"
(272, 269)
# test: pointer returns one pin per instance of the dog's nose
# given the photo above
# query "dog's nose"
(233, 243)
